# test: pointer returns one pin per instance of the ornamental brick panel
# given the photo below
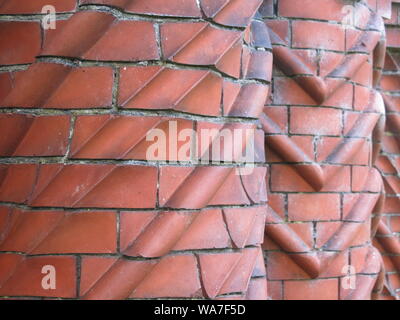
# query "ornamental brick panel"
(317, 82)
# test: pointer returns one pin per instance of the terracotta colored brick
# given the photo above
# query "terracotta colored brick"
(164, 281)
(393, 37)
(82, 232)
(233, 13)
(208, 230)
(326, 9)
(325, 36)
(155, 7)
(113, 45)
(287, 91)
(279, 115)
(320, 121)
(303, 207)
(25, 230)
(232, 193)
(363, 76)
(281, 28)
(17, 181)
(328, 62)
(132, 224)
(26, 7)
(97, 186)
(48, 85)
(324, 289)
(20, 42)
(22, 135)
(181, 90)
(6, 84)
(76, 91)
(342, 180)
(27, 278)
(395, 223)
(285, 179)
(325, 230)
(185, 48)
(127, 137)
(290, 271)
(275, 290)
(327, 147)
(92, 268)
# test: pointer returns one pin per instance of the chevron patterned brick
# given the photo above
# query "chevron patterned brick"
(20, 42)
(313, 97)
(79, 191)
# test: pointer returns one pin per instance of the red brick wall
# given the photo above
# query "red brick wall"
(387, 238)
(78, 192)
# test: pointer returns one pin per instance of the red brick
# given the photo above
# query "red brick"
(320, 121)
(172, 277)
(327, 147)
(363, 76)
(232, 192)
(25, 230)
(325, 230)
(329, 61)
(82, 232)
(92, 268)
(393, 37)
(324, 289)
(395, 223)
(325, 36)
(275, 290)
(6, 84)
(22, 135)
(9, 262)
(26, 7)
(156, 7)
(113, 45)
(287, 91)
(235, 13)
(213, 43)
(48, 85)
(207, 231)
(284, 178)
(132, 224)
(17, 182)
(19, 42)
(325, 10)
(181, 90)
(341, 181)
(281, 267)
(27, 278)
(97, 186)
(280, 27)
(279, 115)
(304, 207)
(84, 88)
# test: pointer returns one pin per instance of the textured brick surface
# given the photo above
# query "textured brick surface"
(78, 190)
